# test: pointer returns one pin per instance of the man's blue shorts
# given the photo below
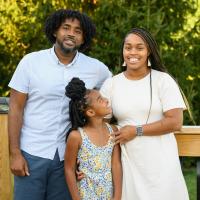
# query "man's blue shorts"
(46, 180)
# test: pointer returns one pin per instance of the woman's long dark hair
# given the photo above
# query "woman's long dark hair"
(77, 92)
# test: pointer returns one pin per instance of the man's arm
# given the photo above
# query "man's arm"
(17, 103)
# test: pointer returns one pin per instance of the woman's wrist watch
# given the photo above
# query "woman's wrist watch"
(139, 130)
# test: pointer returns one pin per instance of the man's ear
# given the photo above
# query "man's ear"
(90, 112)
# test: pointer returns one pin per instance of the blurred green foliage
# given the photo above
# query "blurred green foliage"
(190, 175)
(175, 25)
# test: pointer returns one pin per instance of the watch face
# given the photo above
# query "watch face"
(139, 131)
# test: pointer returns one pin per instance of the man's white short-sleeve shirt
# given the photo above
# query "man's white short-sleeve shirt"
(44, 78)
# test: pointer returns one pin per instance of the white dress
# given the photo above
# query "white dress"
(151, 167)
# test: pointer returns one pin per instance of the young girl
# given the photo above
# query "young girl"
(90, 141)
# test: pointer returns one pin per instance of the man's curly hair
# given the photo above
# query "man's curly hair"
(55, 20)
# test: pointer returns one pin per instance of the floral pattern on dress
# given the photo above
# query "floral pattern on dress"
(95, 163)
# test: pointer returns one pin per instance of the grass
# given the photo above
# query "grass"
(191, 182)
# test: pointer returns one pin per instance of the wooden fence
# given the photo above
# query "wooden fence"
(188, 144)
(6, 179)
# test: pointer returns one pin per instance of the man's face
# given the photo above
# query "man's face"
(69, 36)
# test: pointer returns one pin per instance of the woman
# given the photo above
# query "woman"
(148, 106)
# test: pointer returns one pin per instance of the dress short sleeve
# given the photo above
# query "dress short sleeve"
(104, 73)
(170, 94)
(20, 80)
(106, 89)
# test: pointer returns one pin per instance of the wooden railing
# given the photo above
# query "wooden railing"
(188, 145)
(188, 140)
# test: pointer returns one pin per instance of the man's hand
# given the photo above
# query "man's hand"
(18, 165)
(79, 174)
(125, 134)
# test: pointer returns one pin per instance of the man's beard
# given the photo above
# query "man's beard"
(67, 50)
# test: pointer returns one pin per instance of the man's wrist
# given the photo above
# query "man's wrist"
(15, 151)
(139, 130)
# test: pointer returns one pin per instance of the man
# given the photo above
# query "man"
(38, 114)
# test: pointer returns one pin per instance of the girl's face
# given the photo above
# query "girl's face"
(135, 52)
(98, 104)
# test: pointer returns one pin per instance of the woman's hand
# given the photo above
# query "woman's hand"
(125, 134)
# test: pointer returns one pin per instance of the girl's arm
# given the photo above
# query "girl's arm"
(117, 172)
(71, 152)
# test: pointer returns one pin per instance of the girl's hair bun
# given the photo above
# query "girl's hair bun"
(75, 89)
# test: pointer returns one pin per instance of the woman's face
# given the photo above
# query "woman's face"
(135, 52)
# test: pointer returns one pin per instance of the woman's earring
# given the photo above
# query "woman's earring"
(149, 63)
(124, 64)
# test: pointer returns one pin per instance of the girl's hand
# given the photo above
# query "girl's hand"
(125, 134)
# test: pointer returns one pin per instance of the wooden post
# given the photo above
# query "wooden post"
(6, 179)
(188, 140)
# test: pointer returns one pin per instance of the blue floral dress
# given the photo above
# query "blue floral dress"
(95, 163)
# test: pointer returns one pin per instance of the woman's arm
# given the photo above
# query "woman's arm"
(71, 152)
(117, 172)
(172, 121)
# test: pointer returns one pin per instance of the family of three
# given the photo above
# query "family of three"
(58, 119)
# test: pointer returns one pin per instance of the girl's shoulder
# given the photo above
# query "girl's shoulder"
(74, 136)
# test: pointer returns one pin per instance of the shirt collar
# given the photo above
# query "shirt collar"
(55, 58)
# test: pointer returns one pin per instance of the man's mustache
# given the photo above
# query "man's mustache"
(72, 38)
